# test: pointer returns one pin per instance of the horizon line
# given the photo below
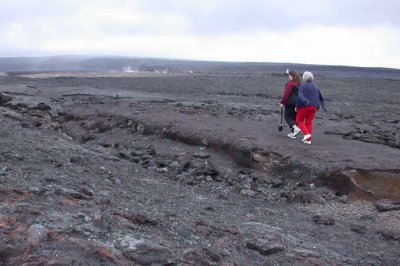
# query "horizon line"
(192, 60)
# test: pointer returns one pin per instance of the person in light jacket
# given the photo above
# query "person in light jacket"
(309, 101)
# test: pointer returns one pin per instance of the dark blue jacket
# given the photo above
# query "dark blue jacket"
(310, 95)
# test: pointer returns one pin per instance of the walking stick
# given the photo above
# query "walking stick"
(280, 125)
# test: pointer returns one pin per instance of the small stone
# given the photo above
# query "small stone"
(204, 168)
(43, 106)
(143, 252)
(137, 153)
(357, 228)
(72, 194)
(367, 217)
(35, 234)
(86, 191)
(323, 219)
(204, 142)
(4, 98)
(209, 178)
(308, 257)
(247, 192)
(36, 190)
(390, 235)
(209, 208)
(162, 170)
(76, 159)
(308, 197)
(201, 155)
(135, 159)
(257, 157)
(344, 199)
(222, 197)
(123, 155)
(137, 218)
(151, 150)
(87, 137)
(202, 256)
(385, 205)
(266, 245)
(146, 157)
(277, 182)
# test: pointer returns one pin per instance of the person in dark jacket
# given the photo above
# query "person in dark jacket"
(289, 100)
(309, 100)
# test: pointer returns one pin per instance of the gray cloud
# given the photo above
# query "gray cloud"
(238, 16)
(200, 28)
(25, 10)
(213, 17)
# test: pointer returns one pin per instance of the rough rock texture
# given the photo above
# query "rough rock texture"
(189, 170)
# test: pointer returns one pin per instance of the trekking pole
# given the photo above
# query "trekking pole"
(280, 125)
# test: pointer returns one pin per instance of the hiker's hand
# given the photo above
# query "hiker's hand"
(281, 105)
(295, 109)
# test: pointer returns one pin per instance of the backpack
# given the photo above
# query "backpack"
(293, 98)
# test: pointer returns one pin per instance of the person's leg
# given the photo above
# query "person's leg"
(290, 116)
(301, 115)
(296, 129)
(286, 116)
(312, 110)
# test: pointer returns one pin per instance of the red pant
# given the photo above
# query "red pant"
(305, 117)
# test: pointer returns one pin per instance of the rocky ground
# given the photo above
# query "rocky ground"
(191, 170)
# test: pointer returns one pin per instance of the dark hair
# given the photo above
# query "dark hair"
(296, 77)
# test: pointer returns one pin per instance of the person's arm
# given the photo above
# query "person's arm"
(322, 101)
(287, 93)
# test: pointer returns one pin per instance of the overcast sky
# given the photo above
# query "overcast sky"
(332, 32)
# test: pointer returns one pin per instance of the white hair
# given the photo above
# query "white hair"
(308, 76)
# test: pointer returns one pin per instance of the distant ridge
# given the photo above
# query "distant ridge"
(119, 63)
